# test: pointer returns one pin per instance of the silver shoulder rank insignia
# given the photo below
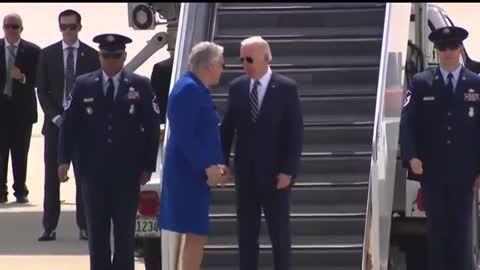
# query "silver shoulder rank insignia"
(89, 110)
(407, 99)
(155, 106)
(69, 102)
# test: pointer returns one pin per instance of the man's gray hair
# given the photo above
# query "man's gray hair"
(204, 54)
(259, 41)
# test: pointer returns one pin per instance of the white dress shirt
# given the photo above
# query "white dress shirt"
(262, 87)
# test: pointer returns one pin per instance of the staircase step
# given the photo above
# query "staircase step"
(331, 210)
(343, 137)
(331, 164)
(229, 267)
(329, 240)
(312, 52)
(312, 61)
(320, 79)
(310, 90)
(227, 20)
(295, 5)
(320, 257)
(302, 32)
(300, 226)
(306, 196)
(339, 179)
(326, 109)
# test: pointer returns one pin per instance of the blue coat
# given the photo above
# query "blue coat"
(274, 143)
(442, 129)
(129, 146)
(192, 146)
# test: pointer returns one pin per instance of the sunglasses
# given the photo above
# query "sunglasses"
(444, 46)
(112, 55)
(249, 59)
(12, 26)
(68, 26)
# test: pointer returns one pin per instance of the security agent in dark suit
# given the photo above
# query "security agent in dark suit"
(60, 64)
(162, 72)
(264, 111)
(113, 120)
(439, 139)
(18, 104)
(160, 81)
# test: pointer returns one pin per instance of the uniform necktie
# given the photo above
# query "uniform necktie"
(254, 101)
(69, 74)
(450, 83)
(10, 64)
(110, 93)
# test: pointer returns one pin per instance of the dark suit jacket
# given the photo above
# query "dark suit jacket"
(23, 95)
(273, 144)
(51, 78)
(442, 128)
(160, 80)
(135, 134)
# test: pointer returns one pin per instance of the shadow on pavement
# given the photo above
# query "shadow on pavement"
(20, 230)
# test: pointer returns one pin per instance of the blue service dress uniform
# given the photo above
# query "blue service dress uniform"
(192, 146)
(117, 140)
(441, 127)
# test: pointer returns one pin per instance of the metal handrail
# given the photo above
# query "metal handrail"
(378, 115)
(170, 241)
(381, 82)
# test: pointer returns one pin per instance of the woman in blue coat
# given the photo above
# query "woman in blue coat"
(193, 155)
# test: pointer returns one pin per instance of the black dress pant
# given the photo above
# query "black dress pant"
(51, 200)
(14, 140)
(251, 200)
(111, 200)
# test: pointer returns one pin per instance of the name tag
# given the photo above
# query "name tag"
(428, 98)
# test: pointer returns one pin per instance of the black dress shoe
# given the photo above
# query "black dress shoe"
(83, 235)
(22, 199)
(48, 236)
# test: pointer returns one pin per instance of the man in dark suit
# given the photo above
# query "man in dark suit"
(113, 119)
(439, 140)
(18, 104)
(160, 81)
(264, 111)
(60, 64)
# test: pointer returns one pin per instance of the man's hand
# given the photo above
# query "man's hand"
(214, 174)
(144, 177)
(63, 173)
(16, 73)
(477, 184)
(283, 181)
(416, 165)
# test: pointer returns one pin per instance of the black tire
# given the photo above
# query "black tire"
(152, 252)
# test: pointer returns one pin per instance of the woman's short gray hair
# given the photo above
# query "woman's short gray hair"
(204, 54)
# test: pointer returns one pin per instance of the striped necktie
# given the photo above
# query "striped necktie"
(10, 64)
(254, 101)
